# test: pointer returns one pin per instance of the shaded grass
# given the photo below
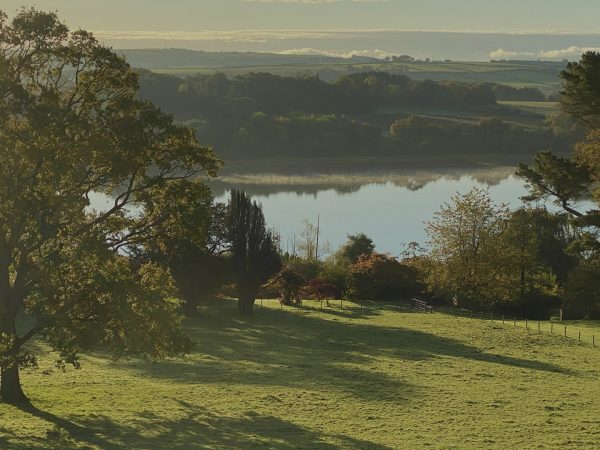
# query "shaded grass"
(373, 378)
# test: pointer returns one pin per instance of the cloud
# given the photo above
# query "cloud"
(254, 36)
(566, 53)
(375, 53)
(507, 54)
(263, 36)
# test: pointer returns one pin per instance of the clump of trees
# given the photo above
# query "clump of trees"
(381, 277)
(484, 255)
(531, 260)
(522, 94)
(275, 94)
(355, 271)
(417, 134)
(261, 114)
(567, 180)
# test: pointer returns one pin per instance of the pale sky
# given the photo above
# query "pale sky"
(305, 26)
(194, 15)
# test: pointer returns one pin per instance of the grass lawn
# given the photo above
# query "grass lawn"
(376, 378)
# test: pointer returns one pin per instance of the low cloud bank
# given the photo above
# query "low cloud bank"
(565, 53)
(375, 53)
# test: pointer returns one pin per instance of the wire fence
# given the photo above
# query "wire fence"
(581, 334)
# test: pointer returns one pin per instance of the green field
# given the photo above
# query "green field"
(376, 378)
(518, 74)
(524, 114)
(539, 108)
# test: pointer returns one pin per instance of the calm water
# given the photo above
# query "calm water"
(392, 215)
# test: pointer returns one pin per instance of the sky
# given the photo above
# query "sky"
(560, 28)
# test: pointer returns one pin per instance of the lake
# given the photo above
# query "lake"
(392, 214)
(390, 209)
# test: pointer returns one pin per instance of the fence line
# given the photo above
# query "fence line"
(416, 305)
(553, 327)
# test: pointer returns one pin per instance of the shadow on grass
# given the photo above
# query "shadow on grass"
(195, 428)
(303, 349)
(312, 350)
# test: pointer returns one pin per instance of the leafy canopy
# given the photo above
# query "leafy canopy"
(71, 127)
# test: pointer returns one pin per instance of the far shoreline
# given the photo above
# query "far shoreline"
(357, 165)
(312, 175)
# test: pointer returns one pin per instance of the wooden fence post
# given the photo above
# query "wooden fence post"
(526, 325)
(580, 336)
(538, 326)
(565, 331)
(551, 327)
(514, 321)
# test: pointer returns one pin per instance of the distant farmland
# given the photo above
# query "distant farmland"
(542, 75)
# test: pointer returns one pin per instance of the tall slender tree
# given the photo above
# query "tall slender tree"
(254, 253)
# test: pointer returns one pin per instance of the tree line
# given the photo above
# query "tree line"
(265, 115)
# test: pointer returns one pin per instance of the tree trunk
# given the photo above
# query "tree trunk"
(10, 386)
(10, 382)
(245, 304)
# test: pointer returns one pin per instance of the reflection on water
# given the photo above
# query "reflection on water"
(270, 184)
(392, 214)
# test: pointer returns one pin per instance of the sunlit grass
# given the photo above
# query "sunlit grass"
(373, 378)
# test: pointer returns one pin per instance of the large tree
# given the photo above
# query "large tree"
(193, 247)
(567, 180)
(254, 253)
(466, 249)
(580, 95)
(71, 127)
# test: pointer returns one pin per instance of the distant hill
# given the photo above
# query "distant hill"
(538, 74)
(153, 59)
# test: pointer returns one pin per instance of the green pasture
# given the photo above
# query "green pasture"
(352, 378)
